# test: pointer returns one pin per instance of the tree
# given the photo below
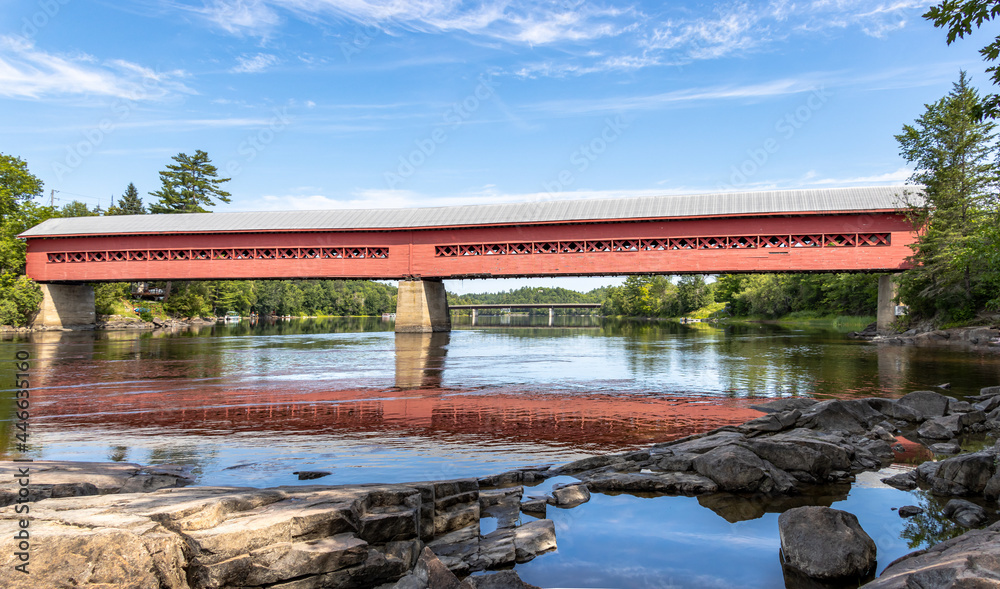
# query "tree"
(954, 153)
(187, 185)
(129, 203)
(76, 209)
(959, 16)
(17, 185)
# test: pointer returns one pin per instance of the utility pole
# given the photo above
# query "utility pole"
(52, 197)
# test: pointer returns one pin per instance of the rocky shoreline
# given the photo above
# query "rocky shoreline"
(981, 338)
(116, 323)
(163, 532)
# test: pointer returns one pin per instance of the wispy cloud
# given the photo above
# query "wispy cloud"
(28, 72)
(253, 64)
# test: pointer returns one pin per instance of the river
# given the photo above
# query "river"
(250, 405)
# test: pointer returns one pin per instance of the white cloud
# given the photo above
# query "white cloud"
(27, 72)
(252, 64)
(240, 16)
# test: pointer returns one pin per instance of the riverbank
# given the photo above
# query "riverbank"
(176, 535)
(978, 337)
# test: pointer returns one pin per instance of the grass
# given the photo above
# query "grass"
(707, 311)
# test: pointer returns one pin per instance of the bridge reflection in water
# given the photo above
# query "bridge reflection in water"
(487, 398)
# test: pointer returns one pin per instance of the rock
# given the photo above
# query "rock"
(941, 428)
(988, 404)
(910, 511)
(673, 483)
(737, 469)
(905, 481)
(946, 385)
(793, 458)
(783, 405)
(61, 478)
(430, 573)
(570, 495)
(308, 475)
(702, 444)
(494, 497)
(959, 407)
(587, 464)
(965, 513)
(534, 506)
(824, 543)
(670, 461)
(927, 404)
(969, 560)
(945, 448)
(891, 408)
(989, 391)
(855, 416)
(966, 474)
(774, 422)
(500, 580)
(534, 538)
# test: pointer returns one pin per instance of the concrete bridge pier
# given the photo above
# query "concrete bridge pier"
(473, 317)
(66, 305)
(887, 291)
(422, 307)
(552, 313)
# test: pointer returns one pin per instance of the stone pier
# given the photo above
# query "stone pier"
(66, 305)
(422, 306)
(887, 289)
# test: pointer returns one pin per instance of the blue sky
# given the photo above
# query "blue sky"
(311, 104)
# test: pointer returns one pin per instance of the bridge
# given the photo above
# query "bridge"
(550, 306)
(822, 230)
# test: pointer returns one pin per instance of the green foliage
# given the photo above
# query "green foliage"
(77, 209)
(657, 296)
(959, 17)
(189, 299)
(145, 314)
(187, 185)
(19, 299)
(107, 295)
(17, 185)
(13, 250)
(128, 204)
(776, 295)
(280, 297)
(955, 156)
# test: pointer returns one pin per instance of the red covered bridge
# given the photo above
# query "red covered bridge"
(828, 230)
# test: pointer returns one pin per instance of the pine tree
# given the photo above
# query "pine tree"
(187, 185)
(954, 153)
(129, 203)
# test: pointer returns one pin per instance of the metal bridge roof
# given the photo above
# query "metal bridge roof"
(776, 202)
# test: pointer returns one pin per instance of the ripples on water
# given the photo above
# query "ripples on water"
(249, 405)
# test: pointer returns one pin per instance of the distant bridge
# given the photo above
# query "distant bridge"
(828, 230)
(550, 306)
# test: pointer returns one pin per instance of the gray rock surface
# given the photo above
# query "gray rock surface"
(826, 544)
(927, 404)
(971, 560)
(570, 495)
(945, 448)
(737, 469)
(910, 511)
(965, 513)
(61, 478)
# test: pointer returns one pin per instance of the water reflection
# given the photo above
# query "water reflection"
(351, 394)
(420, 359)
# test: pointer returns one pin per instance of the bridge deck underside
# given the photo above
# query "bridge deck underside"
(800, 243)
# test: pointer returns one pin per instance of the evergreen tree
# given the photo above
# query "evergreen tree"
(129, 203)
(187, 185)
(954, 154)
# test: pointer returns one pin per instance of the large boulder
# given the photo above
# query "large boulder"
(534, 538)
(971, 560)
(826, 544)
(671, 483)
(430, 573)
(965, 513)
(966, 474)
(927, 404)
(855, 416)
(738, 470)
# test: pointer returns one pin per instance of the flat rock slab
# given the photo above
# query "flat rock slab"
(970, 560)
(60, 478)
